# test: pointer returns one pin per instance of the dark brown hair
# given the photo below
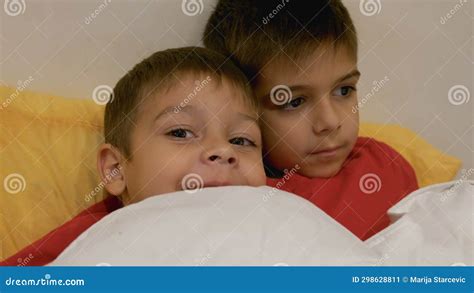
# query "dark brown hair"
(252, 32)
(158, 73)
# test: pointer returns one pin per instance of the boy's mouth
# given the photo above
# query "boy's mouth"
(327, 152)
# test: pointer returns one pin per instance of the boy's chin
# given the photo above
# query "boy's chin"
(320, 171)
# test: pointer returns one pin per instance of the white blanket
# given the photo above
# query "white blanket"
(235, 225)
(263, 226)
(432, 226)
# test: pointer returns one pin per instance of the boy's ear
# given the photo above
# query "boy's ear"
(110, 165)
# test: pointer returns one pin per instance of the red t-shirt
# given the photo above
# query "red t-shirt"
(373, 179)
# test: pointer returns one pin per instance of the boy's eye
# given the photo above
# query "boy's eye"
(181, 133)
(242, 141)
(344, 91)
(293, 104)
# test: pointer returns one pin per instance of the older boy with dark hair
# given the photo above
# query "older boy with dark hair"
(301, 59)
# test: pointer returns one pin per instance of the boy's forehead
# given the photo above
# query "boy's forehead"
(322, 56)
(194, 92)
(174, 88)
(325, 63)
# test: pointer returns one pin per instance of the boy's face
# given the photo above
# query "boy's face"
(318, 127)
(180, 140)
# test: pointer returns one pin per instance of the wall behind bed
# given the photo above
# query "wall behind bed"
(416, 57)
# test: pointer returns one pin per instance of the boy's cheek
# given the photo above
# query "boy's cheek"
(274, 130)
(256, 174)
(251, 165)
(287, 134)
(275, 119)
(282, 156)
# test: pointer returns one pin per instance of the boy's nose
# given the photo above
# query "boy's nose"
(220, 155)
(325, 117)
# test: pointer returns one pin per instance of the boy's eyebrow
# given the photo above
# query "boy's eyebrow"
(353, 73)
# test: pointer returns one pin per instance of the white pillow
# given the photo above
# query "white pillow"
(236, 225)
(433, 226)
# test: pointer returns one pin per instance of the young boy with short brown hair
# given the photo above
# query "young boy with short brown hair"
(182, 118)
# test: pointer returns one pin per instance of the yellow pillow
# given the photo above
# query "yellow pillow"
(430, 164)
(48, 162)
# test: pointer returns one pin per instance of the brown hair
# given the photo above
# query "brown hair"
(158, 73)
(252, 32)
